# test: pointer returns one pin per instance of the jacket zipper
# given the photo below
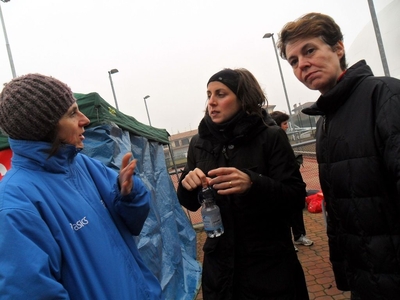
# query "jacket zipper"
(225, 153)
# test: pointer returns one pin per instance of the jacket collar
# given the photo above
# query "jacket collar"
(244, 129)
(339, 94)
(34, 155)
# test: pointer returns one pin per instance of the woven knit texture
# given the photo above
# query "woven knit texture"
(32, 105)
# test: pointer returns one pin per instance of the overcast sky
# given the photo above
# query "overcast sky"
(166, 49)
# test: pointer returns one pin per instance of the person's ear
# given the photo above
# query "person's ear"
(339, 49)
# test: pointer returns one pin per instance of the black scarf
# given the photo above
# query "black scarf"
(232, 131)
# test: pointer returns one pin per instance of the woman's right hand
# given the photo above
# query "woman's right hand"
(194, 179)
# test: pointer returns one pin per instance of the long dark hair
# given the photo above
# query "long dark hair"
(56, 143)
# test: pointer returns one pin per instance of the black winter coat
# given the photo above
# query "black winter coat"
(358, 151)
(255, 256)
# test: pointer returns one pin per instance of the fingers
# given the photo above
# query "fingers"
(128, 167)
(125, 160)
(126, 173)
(194, 179)
(224, 177)
(227, 185)
(225, 180)
(229, 181)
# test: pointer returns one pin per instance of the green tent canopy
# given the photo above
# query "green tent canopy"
(3, 142)
(99, 112)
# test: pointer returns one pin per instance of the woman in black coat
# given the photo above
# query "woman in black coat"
(358, 153)
(253, 169)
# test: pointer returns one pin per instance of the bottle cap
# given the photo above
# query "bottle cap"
(206, 193)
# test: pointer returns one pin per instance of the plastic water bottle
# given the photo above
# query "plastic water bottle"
(210, 213)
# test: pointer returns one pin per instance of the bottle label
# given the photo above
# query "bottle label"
(212, 222)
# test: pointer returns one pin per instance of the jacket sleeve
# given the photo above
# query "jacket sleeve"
(388, 127)
(30, 260)
(188, 199)
(336, 255)
(134, 207)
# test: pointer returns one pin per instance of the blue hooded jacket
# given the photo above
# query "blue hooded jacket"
(66, 231)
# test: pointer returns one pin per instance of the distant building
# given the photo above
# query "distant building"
(179, 144)
(302, 120)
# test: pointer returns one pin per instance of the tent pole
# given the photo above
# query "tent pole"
(171, 152)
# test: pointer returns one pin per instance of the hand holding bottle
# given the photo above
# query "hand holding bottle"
(194, 179)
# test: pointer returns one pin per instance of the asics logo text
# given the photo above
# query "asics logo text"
(79, 224)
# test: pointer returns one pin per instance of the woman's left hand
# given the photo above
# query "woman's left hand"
(229, 181)
(126, 173)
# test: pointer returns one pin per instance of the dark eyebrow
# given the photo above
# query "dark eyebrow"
(305, 46)
(219, 90)
(73, 109)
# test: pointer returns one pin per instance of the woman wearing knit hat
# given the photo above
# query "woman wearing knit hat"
(66, 219)
(247, 159)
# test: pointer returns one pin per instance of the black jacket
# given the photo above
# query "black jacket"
(256, 252)
(358, 151)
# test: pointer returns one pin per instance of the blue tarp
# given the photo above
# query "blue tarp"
(168, 241)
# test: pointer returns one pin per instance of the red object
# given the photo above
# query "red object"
(314, 202)
(5, 162)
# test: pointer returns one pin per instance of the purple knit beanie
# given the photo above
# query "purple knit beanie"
(32, 105)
